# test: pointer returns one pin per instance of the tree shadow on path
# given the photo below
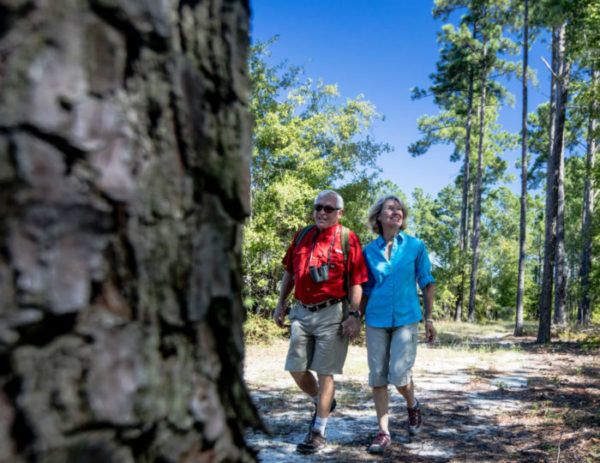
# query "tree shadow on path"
(545, 409)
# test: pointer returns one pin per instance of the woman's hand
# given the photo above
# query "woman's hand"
(430, 332)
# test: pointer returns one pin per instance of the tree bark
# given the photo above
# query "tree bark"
(560, 288)
(464, 210)
(124, 164)
(523, 220)
(584, 309)
(465, 203)
(543, 335)
(477, 195)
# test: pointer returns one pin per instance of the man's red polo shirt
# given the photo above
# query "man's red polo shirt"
(296, 262)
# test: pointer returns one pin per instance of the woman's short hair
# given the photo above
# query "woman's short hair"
(378, 207)
(339, 202)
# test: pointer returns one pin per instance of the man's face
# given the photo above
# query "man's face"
(324, 219)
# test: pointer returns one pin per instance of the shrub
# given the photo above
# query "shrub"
(258, 329)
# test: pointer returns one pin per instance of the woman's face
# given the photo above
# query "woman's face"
(391, 215)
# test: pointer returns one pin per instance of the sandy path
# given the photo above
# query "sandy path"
(464, 395)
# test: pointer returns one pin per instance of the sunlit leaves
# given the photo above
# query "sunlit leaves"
(307, 138)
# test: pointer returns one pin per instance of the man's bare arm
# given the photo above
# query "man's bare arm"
(287, 284)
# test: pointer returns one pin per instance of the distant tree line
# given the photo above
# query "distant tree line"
(555, 262)
(496, 254)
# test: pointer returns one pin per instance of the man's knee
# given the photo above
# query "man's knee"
(325, 381)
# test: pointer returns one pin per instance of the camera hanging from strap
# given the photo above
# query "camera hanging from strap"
(345, 239)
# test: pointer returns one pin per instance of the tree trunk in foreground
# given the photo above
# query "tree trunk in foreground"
(124, 150)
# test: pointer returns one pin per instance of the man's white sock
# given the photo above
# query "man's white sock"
(320, 424)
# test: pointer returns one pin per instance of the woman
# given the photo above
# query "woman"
(395, 262)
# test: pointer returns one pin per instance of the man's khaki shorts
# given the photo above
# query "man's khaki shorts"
(316, 341)
(391, 353)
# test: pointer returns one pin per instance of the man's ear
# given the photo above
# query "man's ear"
(341, 212)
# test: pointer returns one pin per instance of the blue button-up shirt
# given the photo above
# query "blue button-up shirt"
(392, 285)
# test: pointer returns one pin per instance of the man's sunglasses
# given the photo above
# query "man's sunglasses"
(328, 209)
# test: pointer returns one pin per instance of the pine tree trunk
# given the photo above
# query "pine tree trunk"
(584, 309)
(124, 151)
(465, 203)
(560, 288)
(477, 195)
(543, 335)
(523, 220)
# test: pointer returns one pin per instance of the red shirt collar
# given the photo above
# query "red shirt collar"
(328, 232)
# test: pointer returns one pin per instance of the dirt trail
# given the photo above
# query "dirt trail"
(479, 404)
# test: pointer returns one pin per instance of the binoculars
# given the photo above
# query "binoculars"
(319, 274)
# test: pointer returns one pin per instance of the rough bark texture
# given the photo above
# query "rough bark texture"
(124, 149)
(523, 219)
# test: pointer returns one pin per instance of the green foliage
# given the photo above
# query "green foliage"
(436, 222)
(306, 139)
(261, 330)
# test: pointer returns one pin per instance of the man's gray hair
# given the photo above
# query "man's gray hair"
(339, 202)
(378, 207)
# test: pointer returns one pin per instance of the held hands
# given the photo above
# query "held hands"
(430, 332)
(351, 327)
(279, 315)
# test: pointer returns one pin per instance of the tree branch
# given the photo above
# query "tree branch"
(549, 67)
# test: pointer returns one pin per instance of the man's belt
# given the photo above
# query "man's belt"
(322, 305)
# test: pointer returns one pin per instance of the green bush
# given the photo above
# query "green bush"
(260, 330)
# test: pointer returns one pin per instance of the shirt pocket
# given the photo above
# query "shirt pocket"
(336, 264)
(301, 257)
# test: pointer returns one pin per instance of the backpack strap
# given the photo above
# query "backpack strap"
(346, 250)
(302, 234)
(345, 237)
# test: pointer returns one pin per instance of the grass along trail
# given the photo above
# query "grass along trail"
(485, 396)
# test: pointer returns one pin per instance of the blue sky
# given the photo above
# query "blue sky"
(381, 49)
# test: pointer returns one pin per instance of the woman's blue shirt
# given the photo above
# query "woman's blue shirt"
(392, 285)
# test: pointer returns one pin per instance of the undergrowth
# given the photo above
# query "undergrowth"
(260, 330)
(456, 335)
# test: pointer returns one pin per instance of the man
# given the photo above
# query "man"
(321, 324)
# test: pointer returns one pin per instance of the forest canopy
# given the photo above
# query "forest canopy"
(496, 254)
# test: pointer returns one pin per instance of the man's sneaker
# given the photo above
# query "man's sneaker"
(380, 443)
(314, 417)
(312, 443)
(414, 419)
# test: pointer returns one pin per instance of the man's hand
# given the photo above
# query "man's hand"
(351, 327)
(279, 315)
(430, 332)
